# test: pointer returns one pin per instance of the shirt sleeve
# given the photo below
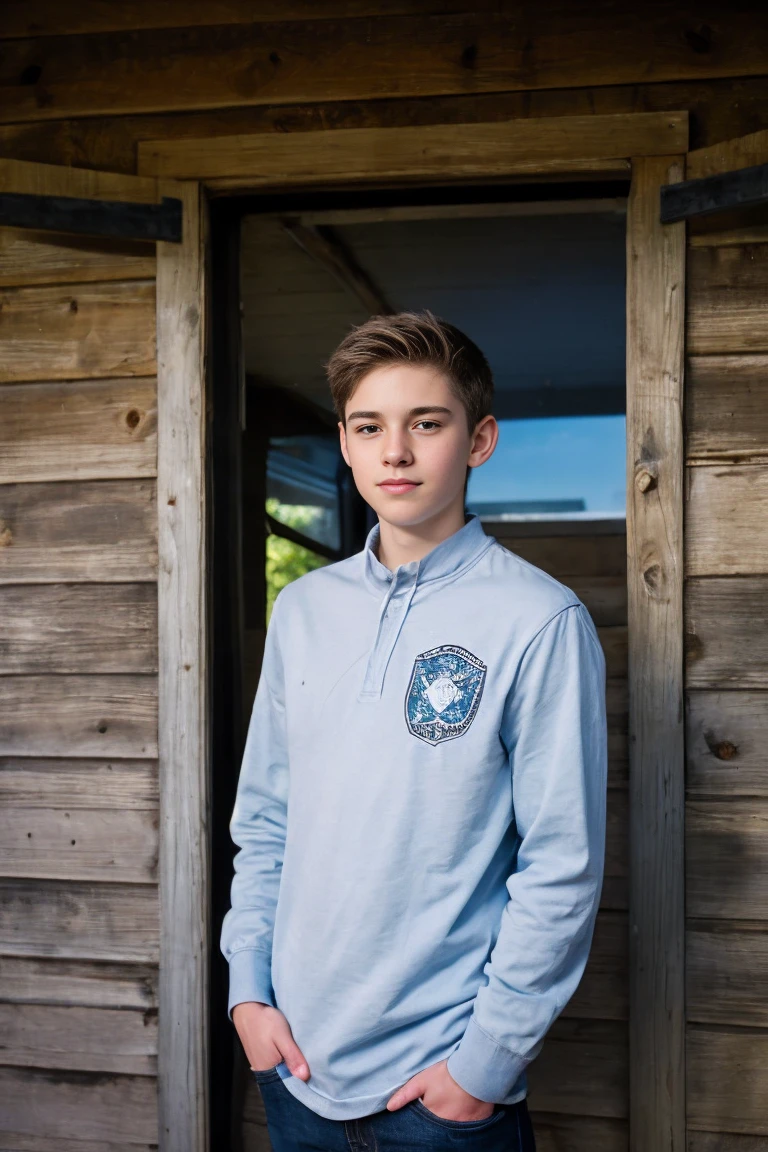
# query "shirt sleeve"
(258, 828)
(554, 730)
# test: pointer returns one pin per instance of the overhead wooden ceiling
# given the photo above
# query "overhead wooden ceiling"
(542, 295)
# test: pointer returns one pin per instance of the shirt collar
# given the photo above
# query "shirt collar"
(444, 559)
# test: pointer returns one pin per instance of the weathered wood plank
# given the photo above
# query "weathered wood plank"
(727, 859)
(726, 742)
(23, 1142)
(615, 879)
(30, 257)
(582, 1070)
(184, 751)
(360, 154)
(711, 238)
(578, 1133)
(727, 974)
(724, 1142)
(85, 628)
(603, 993)
(655, 329)
(47, 18)
(100, 531)
(614, 644)
(739, 152)
(78, 331)
(727, 1080)
(726, 625)
(61, 783)
(75, 920)
(726, 401)
(604, 596)
(79, 1039)
(107, 1109)
(221, 66)
(41, 179)
(726, 520)
(92, 984)
(79, 844)
(89, 430)
(564, 556)
(69, 716)
(727, 304)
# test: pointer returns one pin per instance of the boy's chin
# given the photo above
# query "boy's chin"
(405, 516)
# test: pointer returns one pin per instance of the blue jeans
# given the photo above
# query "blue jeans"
(293, 1127)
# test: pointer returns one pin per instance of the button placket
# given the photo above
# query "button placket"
(391, 615)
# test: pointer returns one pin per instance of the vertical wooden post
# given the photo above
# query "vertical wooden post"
(183, 675)
(655, 349)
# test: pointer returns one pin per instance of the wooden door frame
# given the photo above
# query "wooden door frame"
(650, 148)
(184, 669)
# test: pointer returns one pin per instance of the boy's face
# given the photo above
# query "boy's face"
(404, 423)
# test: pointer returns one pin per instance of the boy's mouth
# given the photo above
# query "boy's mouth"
(399, 485)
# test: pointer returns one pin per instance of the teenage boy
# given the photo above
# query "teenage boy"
(421, 806)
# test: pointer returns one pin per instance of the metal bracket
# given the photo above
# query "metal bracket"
(120, 219)
(738, 189)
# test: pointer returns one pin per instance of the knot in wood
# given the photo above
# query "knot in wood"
(646, 478)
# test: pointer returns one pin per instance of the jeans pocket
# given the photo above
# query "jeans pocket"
(498, 1114)
(264, 1075)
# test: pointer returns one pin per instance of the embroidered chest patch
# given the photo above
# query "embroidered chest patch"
(444, 693)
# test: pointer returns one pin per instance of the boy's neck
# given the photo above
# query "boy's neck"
(399, 544)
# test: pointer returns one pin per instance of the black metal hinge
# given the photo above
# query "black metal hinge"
(739, 189)
(120, 219)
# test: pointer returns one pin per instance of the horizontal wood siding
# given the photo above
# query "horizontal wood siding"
(77, 465)
(726, 612)
(79, 815)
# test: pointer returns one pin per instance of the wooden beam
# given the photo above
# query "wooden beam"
(183, 739)
(741, 188)
(541, 46)
(445, 151)
(120, 219)
(655, 330)
(323, 246)
(480, 211)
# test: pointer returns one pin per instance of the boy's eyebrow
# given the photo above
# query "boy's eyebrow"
(420, 411)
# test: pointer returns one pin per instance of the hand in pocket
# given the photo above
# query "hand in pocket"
(267, 1038)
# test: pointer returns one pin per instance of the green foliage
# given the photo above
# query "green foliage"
(287, 561)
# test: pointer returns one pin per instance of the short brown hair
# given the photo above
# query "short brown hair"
(418, 338)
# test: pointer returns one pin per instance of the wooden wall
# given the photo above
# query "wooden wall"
(78, 695)
(83, 85)
(726, 611)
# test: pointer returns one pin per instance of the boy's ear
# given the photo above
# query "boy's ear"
(343, 442)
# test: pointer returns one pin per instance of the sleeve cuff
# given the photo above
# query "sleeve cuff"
(482, 1067)
(250, 978)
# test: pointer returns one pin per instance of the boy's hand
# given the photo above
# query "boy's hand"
(267, 1038)
(440, 1093)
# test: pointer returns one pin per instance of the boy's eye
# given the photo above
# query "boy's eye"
(374, 427)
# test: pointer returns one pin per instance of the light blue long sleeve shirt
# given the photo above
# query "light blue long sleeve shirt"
(420, 819)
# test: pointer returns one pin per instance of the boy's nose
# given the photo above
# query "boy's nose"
(397, 452)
